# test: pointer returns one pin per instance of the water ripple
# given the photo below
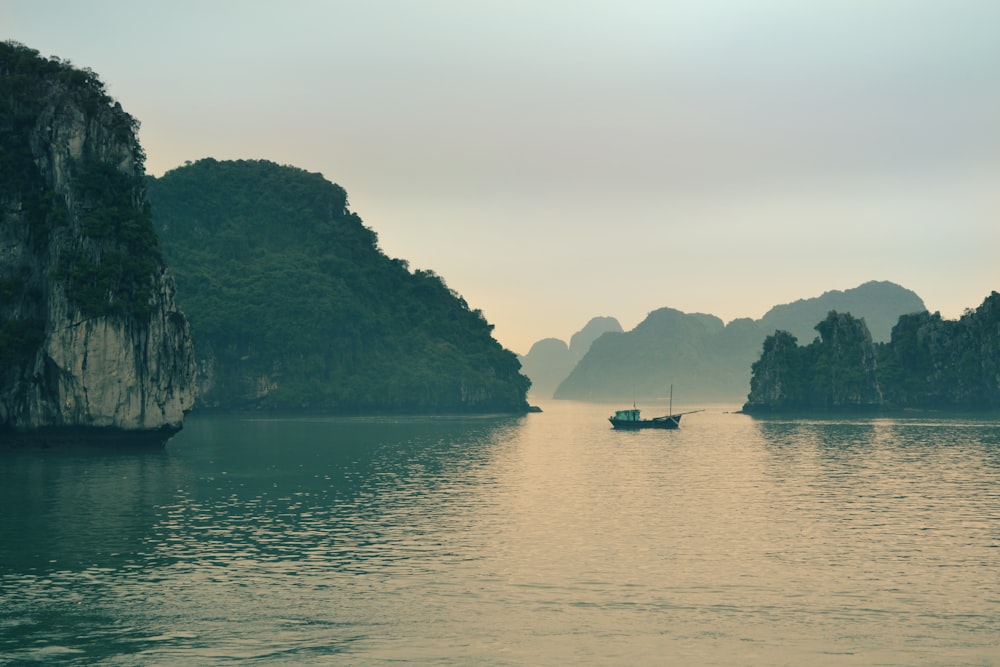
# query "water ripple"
(537, 540)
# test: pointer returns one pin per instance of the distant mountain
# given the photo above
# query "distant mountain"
(880, 303)
(547, 364)
(580, 342)
(707, 360)
(665, 348)
(550, 360)
(293, 306)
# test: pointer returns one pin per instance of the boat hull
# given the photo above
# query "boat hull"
(671, 422)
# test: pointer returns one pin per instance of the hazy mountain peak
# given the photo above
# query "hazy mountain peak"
(879, 302)
(709, 358)
(581, 341)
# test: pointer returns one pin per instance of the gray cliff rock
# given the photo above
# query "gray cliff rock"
(91, 339)
(836, 372)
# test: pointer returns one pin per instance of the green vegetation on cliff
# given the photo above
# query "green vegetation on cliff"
(27, 83)
(929, 363)
(293, 305)
(836, 370)
(106, 252)
(91, 341)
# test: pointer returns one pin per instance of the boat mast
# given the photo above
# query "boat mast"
(671, 410)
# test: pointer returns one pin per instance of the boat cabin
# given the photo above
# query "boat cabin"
(627, 415)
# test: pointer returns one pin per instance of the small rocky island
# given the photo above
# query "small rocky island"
(92, 343)
(929, 364)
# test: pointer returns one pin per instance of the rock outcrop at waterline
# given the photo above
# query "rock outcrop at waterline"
(928, 364)
(836, 372)
(91, 340)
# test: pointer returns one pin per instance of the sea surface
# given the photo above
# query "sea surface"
(545, 539)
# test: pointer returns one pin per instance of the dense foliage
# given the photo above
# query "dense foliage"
(25, 83)
(929, 363)
(836, 370)
(293, 305)
(107, 253)
(933, 362)
(119, 280)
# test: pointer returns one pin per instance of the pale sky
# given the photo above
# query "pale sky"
(559, 160)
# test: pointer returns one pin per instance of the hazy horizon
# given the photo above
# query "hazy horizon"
(557, 161)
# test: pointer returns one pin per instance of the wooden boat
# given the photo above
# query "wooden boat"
(632, 420)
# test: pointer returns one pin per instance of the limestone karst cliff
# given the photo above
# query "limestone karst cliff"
(837, 371)
(92, 343)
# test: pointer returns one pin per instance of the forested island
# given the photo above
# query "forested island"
(293, 306)
(928, 364)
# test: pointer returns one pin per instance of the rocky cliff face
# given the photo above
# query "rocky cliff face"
(91, 339)
(848, 363)
(838, 371)
(776, 380)
(937, 363)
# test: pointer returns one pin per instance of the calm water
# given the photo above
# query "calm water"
(547, 539)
